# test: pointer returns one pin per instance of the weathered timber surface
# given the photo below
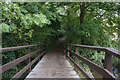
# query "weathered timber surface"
(53, 65)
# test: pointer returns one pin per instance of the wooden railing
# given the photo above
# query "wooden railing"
(105, 71)
(28, 56)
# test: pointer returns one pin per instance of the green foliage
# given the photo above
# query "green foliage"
(99, 28)
(34, 22)
(25, 24)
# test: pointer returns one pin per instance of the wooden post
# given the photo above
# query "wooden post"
(107, 64)
(39, 53)
(76, 52)
(29, 59)
(45, 47)
(108, 61)
(76, 60)
(68, 51)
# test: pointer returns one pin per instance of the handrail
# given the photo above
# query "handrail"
(110, 50)
(16, 61)
(106, 70)
(82, 71)
(26, 67)
(113, 52)
(94, 66)
(9, 65)
(18, 47)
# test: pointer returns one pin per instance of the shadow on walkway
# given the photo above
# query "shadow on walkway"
(58, 46)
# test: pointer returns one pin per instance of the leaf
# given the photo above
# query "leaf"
(36, 21)
(13, 27)
(4, 27)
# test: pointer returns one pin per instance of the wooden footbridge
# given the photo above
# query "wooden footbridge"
(56, 63)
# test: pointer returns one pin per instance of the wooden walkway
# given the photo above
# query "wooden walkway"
(53, 65)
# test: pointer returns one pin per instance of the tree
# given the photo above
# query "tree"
(85, 23)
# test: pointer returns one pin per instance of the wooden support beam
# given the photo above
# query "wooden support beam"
(94, 66)
(68, 54)
(80, 69)
(76, 59)
(108, 61)
(68, 51)
(17, 48)
(26, 67)
(29, 59)
(7, 66)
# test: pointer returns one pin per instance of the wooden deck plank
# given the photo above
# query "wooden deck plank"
(53, 65)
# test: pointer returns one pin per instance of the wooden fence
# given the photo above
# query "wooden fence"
(28, 56)
(106, 70)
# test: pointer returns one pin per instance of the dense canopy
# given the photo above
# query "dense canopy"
(86, 23)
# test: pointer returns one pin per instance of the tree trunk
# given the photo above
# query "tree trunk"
(83, 10)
